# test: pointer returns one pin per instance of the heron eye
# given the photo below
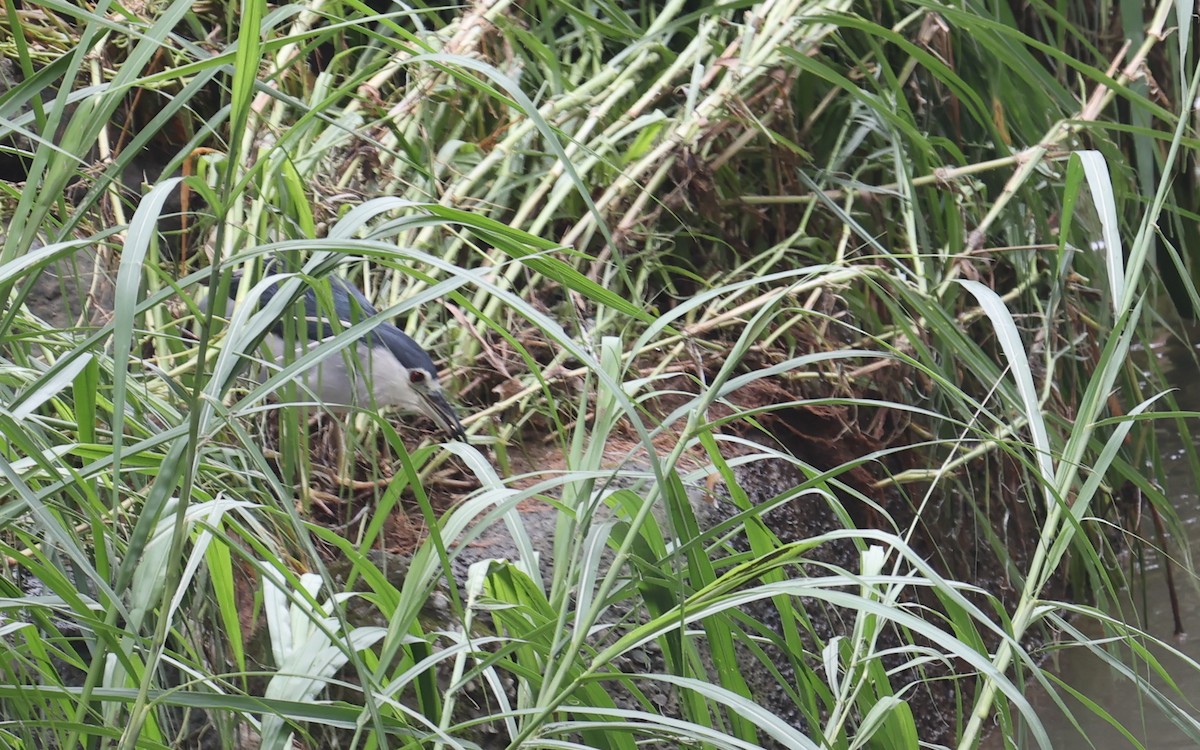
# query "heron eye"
(417, 377)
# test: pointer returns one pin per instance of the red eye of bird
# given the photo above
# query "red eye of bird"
(416, 376)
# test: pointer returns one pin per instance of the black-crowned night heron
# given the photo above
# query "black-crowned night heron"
(385, 368)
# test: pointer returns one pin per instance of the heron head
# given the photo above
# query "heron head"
(432, 403)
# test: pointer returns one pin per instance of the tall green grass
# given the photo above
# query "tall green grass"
(765, 307)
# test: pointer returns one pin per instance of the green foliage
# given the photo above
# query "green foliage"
(667, 251)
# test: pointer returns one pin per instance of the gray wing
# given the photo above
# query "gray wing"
(350, 306)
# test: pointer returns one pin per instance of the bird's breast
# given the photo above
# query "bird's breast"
(362, 376)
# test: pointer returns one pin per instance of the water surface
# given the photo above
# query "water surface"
(1150, 606)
